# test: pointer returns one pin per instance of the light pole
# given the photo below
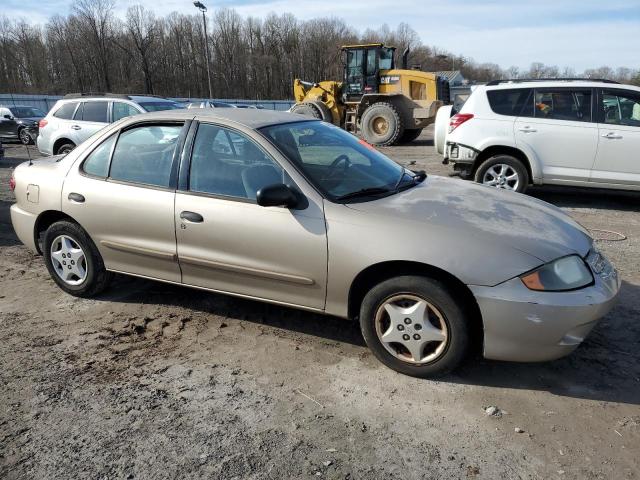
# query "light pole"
(203, 9)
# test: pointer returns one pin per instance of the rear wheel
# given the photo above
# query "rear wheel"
(410, 135)
(381, 124)
(73, 260)
(65, 148)
(24, 136)
(505, 172)
(414, 326)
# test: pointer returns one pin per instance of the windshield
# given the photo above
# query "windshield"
(336, 162)
(26, 112)
(157, 106)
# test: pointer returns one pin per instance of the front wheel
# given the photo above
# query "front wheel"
(414, 326)
(73, 260)
(381, 124)
(505, 172)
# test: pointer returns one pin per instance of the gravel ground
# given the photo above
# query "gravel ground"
(153, 381)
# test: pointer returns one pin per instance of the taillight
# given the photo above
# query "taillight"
(12, 182)
(42, 123)
(458, 119)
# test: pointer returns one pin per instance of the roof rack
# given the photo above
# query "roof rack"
(521, 80)
(95, 94)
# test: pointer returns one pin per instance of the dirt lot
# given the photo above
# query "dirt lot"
(155, 381)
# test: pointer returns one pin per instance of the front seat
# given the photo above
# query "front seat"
(254, 178)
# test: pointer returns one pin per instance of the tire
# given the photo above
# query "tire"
(96, 277)
(507, 166)
(24, 137)
(307, 109)
(381, 124)
(410, 135)
(438, 357)
(65, 148)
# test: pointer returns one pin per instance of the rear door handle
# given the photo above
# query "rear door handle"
(191, 217)
(527, 129)
(611, 135)
(76, 127)
(76, 197)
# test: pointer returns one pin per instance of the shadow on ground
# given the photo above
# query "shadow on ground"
(605, 368)
(599, 199)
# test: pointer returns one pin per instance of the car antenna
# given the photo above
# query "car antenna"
(28, 155)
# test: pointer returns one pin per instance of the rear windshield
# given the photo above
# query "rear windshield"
(157, 106)
(508, 102)
(26, 112)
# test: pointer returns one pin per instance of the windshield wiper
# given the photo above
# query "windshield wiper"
(365, 192)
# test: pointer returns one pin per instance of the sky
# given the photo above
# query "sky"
(567, 33)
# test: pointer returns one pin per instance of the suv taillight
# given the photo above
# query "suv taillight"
(42, 123)
(12, 182)
(458, 119)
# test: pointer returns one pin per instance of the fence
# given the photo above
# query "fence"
(45, 102)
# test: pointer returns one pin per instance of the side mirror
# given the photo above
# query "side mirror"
(8, 117)
(277, 195)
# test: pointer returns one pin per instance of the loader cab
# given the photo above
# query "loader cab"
(362, 68)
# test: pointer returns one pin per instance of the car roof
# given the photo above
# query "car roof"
(561, 83)
(252, 118)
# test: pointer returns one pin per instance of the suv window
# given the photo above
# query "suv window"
(563, 104)
(144, 154)
(94, 112)
(508, 102)
(97, 163)
(65, 112)
(228, 163)
(122, 110)
(621, 109)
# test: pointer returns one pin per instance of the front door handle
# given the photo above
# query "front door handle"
(191, 217)
(76, 127)
(76, 197)
(611, 135)
(527, 130)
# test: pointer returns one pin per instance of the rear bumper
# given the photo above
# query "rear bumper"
(526, 326)
(24, 225)
(44, 147)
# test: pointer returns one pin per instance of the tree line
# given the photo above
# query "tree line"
(93, 50)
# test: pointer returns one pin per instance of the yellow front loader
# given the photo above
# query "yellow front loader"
(384, 105)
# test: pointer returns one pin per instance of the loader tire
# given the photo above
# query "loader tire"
(308, 109)
(410, 135)
(381, 124)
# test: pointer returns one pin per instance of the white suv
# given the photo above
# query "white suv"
(514, 133)
(78, 116)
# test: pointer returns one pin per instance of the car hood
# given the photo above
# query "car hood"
(498, 216)
(29, 119)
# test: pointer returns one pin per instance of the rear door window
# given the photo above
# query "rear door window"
(65, 112)
(563, 104)
(144, 154)
(122, 110)
(97, 163)
(508, 102)
(94, 112)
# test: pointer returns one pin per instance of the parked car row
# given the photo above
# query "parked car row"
(512, 134)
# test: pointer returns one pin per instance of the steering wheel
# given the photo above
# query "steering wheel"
(333, 168)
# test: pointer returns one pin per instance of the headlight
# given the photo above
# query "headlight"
(566, 273)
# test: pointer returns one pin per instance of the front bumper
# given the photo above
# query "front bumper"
(461, 157)
(527, 326)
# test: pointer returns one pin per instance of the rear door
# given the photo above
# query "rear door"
(618, 158)
(229, 243)
(90, 117)
(557, 124)
(123, 194)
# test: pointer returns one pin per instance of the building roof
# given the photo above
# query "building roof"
(451, 75)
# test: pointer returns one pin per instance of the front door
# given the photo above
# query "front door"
(125, 199)
(558, 127)
(618, 158)
(228, 243)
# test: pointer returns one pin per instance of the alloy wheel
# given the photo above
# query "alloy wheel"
(411, 329)
(68, 260)
(503, 176)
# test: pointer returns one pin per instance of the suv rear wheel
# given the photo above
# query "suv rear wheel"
(415, 326)
(503, 171)
(65, 148)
